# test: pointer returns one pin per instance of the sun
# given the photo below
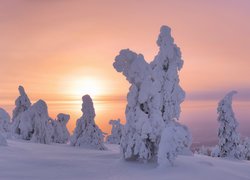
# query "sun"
(88, 85)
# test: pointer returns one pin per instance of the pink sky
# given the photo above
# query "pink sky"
(55, 48)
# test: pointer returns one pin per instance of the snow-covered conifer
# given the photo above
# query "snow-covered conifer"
(22, 103)
(35, 123)
(3, 141)
(4, 121)
(60, 131)
(175, 138)
(154, 96)
(204, 150)
(87, 133)
(165, 68)
(116, 132)
(229, 138)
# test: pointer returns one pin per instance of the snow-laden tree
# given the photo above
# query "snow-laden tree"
(35, 123)
(4, 122)
(143, 114)
(22, 103)
(154, 96)
(175, 138)
(245, 148)
(3, 141)
(60, 131)
(87, 133)
(116, 132)
(229, 138)
(204, 150)
(165, 68)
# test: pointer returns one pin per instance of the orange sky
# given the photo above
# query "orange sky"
(60, 50)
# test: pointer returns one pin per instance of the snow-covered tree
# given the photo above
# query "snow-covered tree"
(35, 123)
(116, 132)
(154, 96)
(87, 133)
(175, 138)
(165, 68)
(4, 122)
(3, 141)
(60, 131)
(245, 148)
(22, 103)
(205, 150)
(229, 138)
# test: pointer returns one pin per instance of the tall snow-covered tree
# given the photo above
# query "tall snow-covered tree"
(35, 123)
(87, 133)
(116, 132)
(154, 96)
(4, 122)
(22, 103)
(229, 138)
(60, 131)
(165, 68)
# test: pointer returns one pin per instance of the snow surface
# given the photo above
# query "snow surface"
(25, 160)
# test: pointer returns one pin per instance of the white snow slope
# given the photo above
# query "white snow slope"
(24, 160)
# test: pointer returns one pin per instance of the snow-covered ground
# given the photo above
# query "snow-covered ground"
(24, 160)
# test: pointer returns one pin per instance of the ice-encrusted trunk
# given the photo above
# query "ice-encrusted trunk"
(229, 138)
(87, 133)
(154, 97)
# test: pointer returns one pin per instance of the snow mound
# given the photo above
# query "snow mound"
(29, 161)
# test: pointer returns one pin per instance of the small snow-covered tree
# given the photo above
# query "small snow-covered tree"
(229, 138)
(154, 96)
(60, 131)
(3, 141)
(87, 133)
(116, 132)
(204, 150)
(35, 123)
(175, 138)
(4, 122)
(22, 103)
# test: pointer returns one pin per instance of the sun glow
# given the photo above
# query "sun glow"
(88, 85)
